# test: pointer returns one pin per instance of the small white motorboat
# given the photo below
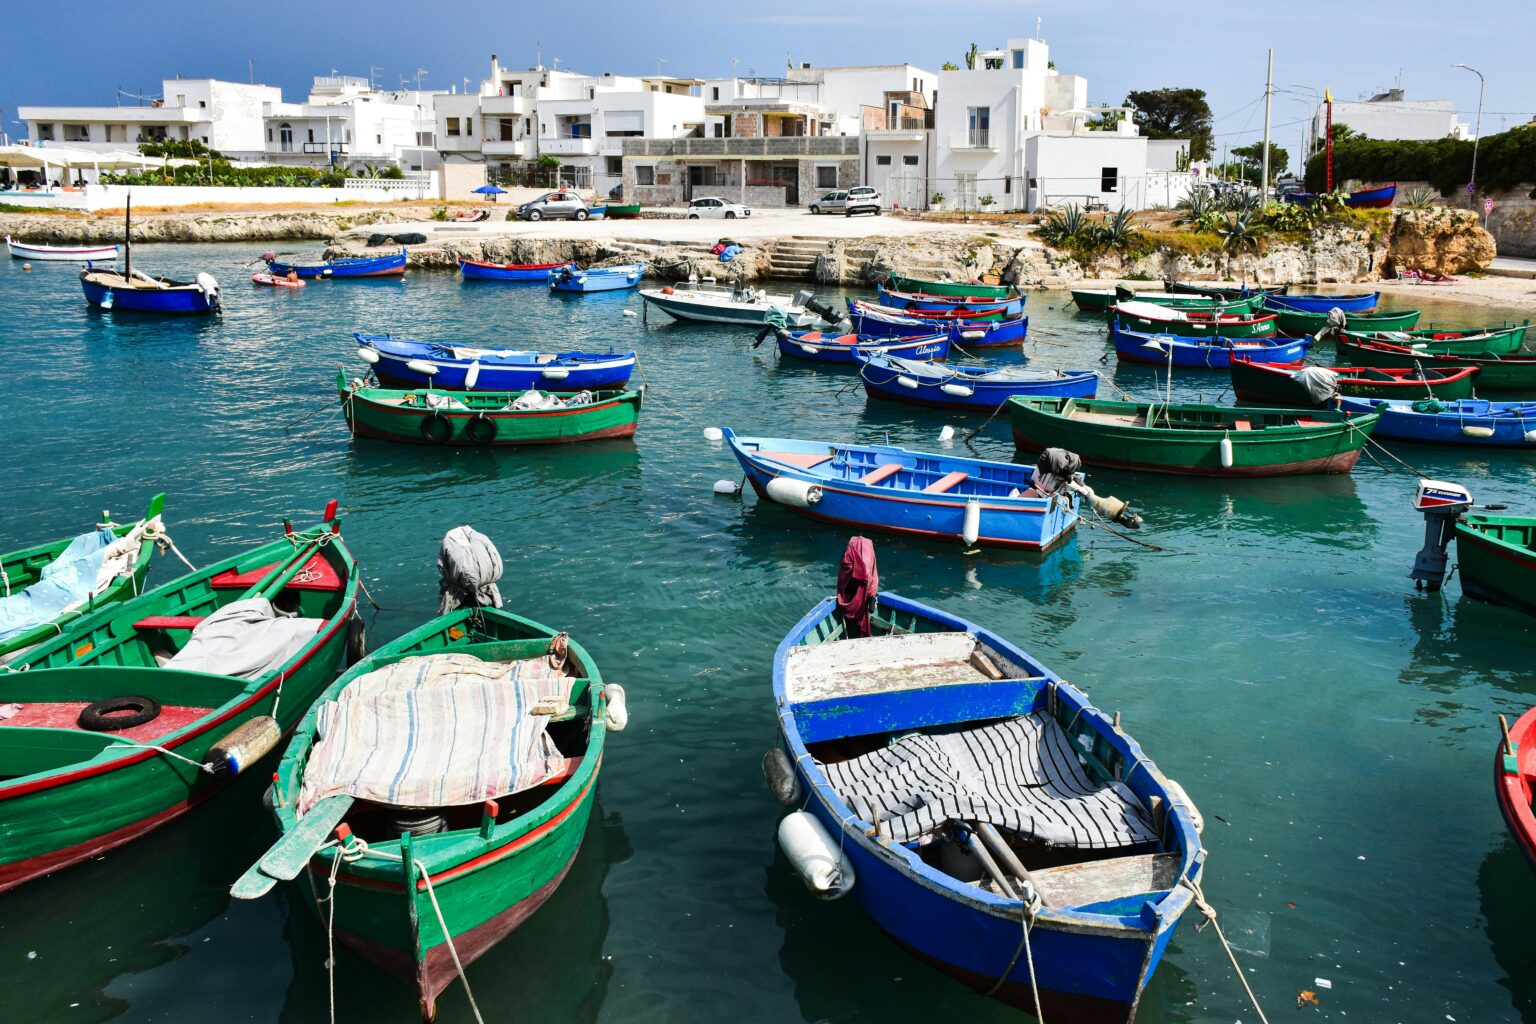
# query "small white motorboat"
(60, 253)
(741, 304)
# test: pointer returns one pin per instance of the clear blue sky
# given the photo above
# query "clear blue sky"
(82, 54)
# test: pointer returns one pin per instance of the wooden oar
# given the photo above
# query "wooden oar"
(289, 855)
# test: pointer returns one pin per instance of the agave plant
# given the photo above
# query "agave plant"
(1419, 198)
(1239, 232)
(1059, 227)
(1118, 230)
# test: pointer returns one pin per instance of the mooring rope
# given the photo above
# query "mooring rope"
(1210, 916)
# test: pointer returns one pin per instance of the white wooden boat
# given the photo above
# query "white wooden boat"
(726, 305)
(60, 253)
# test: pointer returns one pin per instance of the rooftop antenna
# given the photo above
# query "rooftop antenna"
(538, 55)
(659, 62)
(1037, 28)
(373, 77)
(734, 62)
(250, 65)
(420, 74)
(554, 63)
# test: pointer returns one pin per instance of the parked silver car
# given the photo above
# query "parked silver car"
(863, 199)
(554, 206)
(832, 202)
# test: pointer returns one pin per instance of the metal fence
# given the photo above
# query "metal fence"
(1154, 190)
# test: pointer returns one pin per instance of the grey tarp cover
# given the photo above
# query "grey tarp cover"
(1319, 382)
(468, 566)
(1020, 774)
(1055, 467)
(246, 639)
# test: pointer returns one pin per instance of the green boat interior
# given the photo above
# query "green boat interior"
(484, 401)
(1183, 417)
(865, 704)
(1517, 531)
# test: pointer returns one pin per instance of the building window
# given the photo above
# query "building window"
(269, 134)
(719, 130)
(453, 126)
(378, 140)
(285, 137)
(645, 174)
(979, 125)
(1109, 179)
(45, 133)
(311, 135)
(910, 161)
(203, 104)
(714, 92)
(614, 166)
(1018, 59)
(882, 161)
(826, 176)
(1008, 186)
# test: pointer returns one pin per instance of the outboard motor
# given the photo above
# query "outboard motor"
(1058, 470)
(812, 304)
(210, 288)
(1442, 504)
(468, 566)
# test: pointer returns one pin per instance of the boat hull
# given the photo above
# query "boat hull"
(881, 382)
(918, 303)
(608, 280)
(1512, 776)
(370, 266)
(1205, 353)
(616, 417)
(568, 371)
(1298, 322)
(1218, 326)
(807, 346)
(953, 288)
(476, 270)
(185, 301)
(971, 334)
(1496, 570)
(1400, 422)
(61, 253)
(1323, 303)
(1494, 374)
(747, 314)
(1254, 383)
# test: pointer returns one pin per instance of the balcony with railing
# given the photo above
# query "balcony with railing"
(787, 146)
(501, 106)
(515, 149)
(974, 138)
(570, 145)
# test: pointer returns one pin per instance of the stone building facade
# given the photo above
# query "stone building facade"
(767, 171)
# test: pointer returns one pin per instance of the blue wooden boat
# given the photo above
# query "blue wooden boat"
(133, 291)
(1361, 199)
(1204, 353)
(878, 487)
(919, 302)
(820, 347)
(597, 212)
(480, 270)
(1323, 303)
(989, 873)
(392, 265)
(403, 363)
(974, 388)
(872, 321)
(598, 279)
(1466, 422)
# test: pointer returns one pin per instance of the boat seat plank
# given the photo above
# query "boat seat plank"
(1099, 881)
(804, 460)
(946, 483)
(884, 472)
(1243, 424)
(317, 574)
(867, 665)
(168, 622)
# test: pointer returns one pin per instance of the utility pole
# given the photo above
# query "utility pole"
(1269, 92)
(250, 64)
(1477, 132)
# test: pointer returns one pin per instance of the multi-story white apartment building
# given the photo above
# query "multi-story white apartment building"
(347, 123)
(226, 116)
(1391, 115)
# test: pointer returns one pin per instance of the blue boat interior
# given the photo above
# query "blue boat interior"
(892, 468)
(1118, 848)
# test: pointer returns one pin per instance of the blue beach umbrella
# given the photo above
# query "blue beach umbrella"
(491, 190)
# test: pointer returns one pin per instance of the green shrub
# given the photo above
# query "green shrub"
(1504, 161)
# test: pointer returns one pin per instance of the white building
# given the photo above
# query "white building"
(1391, 115)
(226, 116)
(346, 122)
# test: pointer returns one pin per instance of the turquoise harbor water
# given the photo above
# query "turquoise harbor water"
(1336, 729)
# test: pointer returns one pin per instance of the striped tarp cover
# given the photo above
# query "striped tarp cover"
(1020, 774)
(438, 731)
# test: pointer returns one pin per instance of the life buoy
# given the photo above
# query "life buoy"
(480, 430)
(430, 431)
(117, 713)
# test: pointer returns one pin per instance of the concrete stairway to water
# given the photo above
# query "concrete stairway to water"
(796, 257)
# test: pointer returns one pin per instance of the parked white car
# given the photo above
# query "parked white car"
(863, 199)
(713, 206)
(832, 202)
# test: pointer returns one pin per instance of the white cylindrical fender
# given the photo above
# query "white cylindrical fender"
(782, 780)
(795, 493)
(558, 373)
(422, 366)
(907, 382)
(618, 708)
(630, 312)
(472, 375)
(713, 434)
(957, 390)
(368, 355)
(972, 335)
(808, 349)
(1477, 431)
(1530, 436)
(1180, 797)
(823, 867)
(1226, 452)
(970, 527)
(726, 487)
(208, 283)
(947, 434)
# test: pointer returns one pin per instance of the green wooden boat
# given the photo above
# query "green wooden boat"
(1191, 323)
(1192, 439)
(623, 211)
(1496, 556)
(1224, 291)
(142, 710)
(479, 418)
(21, 569)
(1268, 384)
(1298, 323)
(1099, 300)
(1495, 372)
(433, 881)
(1503, 340)
(897, 282)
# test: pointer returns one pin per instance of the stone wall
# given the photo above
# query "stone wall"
(1512, 224)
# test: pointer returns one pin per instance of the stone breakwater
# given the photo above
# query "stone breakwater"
(68, 229)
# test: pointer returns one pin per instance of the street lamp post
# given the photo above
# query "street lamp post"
(1477, 131)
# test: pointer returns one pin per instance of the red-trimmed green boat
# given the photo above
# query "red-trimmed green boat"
(142, 710)
(1300, 322)
(1504, 340)
(1495, 372)
(22, 570)
(1192, 439)
(1496, 556)
(1099, 300)
(1514, 774)
(1146, 318)
(434, 864)
(897, 282)
(482, 418)
(1280, 385)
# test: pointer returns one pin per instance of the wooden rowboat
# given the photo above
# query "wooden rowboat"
(1192, 439)
(392, 265)
(1464, 423)
(1495, 372)
(1190, 323)
(1278, 385)
(403, 363)
(623, 211)
(1223, 291)
(480, 270)
(1100, 300)
(954, 288)
(449, 865)
(1204, 353)
(1299, 322)
(1514, 775)
(109, 709)
(846, 349)
(967, 388)
(872, 321)
(24, 569)
(1496, 557)
(596, 279)
(984, 873)
(1503, 340)
(481, 418)
(1360, 303)
(60, 253)
(919, 304)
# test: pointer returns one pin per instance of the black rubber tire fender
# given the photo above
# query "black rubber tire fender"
(429, 428)
(118, 713)
(481, 430)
